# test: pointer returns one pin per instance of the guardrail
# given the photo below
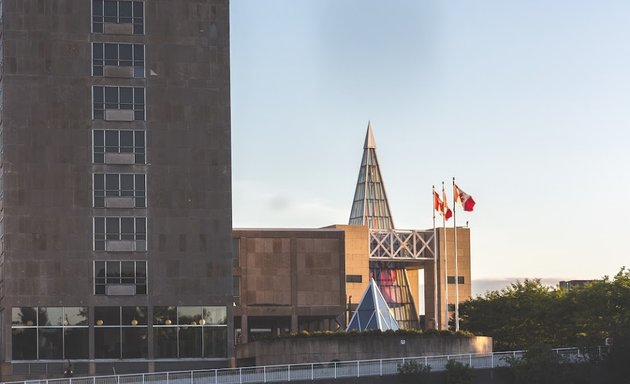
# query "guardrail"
(300, 372)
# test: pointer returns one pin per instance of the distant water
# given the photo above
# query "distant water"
(481, 286)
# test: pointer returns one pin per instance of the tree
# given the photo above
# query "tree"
(458, 373)
(413, 372)
(541, 365)
(528, 312)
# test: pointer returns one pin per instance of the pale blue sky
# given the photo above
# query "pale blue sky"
(526, 103)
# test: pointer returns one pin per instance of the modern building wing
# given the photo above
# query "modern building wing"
(292, 280)
(372, 312)
(115, 218)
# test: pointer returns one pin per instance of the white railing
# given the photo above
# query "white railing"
(301, 372)
(397, 244)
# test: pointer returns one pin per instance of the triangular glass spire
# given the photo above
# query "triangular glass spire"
(372, 312)
(370, 206)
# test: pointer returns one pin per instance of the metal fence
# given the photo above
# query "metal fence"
(302, 372)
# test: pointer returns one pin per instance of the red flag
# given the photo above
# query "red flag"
(441, 206)
(464, 199)
(447, 211)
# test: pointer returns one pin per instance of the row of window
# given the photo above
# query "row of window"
(118, 60)
(119, 332)
(118, 103)
(118, 16)
(120, 234)
(119, 147)
(120, 277)
(119, 190)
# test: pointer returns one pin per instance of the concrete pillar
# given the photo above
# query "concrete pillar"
(244, 329)
(294, 323)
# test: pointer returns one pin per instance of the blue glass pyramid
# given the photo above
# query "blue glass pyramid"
(372, 312)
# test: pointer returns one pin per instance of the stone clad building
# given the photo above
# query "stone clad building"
(115, 186)
(292, 280)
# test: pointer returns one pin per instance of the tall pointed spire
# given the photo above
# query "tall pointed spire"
(370, 206)
(369, 138)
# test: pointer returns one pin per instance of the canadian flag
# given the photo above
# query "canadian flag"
(441, 206)
(464, 199)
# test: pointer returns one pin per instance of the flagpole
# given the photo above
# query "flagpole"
(435, 274)
(456, 270)
(445, 260)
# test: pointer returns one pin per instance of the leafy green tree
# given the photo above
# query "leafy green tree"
(541, 365)
(414, 372)
(458, 373)
(528, 313)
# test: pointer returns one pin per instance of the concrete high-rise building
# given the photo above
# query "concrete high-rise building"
(115, 195)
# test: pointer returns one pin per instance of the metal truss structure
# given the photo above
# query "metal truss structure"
(401, 245)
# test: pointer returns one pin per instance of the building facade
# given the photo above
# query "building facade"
(115, 218)
(292, 280)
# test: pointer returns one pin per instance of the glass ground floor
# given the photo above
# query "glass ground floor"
(133, 332)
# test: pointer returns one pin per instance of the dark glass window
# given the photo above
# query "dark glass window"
(451, 280)
(214, 341)
(50, 341)
(118, 12)
(120, 332)
(135, 344)
(76, 342)
(118, 55)
(114, 141)
(107, 343)
(190, 342)
(118, 228)
(165, 342)
(354, 278)
(120, 98)
(190, 332)
(106, 316)
(49, 333)
(24, 343)
(121, 272)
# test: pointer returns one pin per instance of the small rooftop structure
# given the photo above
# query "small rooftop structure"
(372, 312)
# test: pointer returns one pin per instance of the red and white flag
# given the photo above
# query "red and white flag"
(464, 199)
(441, 206)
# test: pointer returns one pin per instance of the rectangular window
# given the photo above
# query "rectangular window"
(119, 147)
(451, 280)
(49, 333)
(119, 190)
(120, 332)
(118, 103)
(192, 332)
(451, 307)
(120, 234)
(120, 278)
(236, 289)
(117, 60)
(118, 17)
(354, 278)
(236, 253)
